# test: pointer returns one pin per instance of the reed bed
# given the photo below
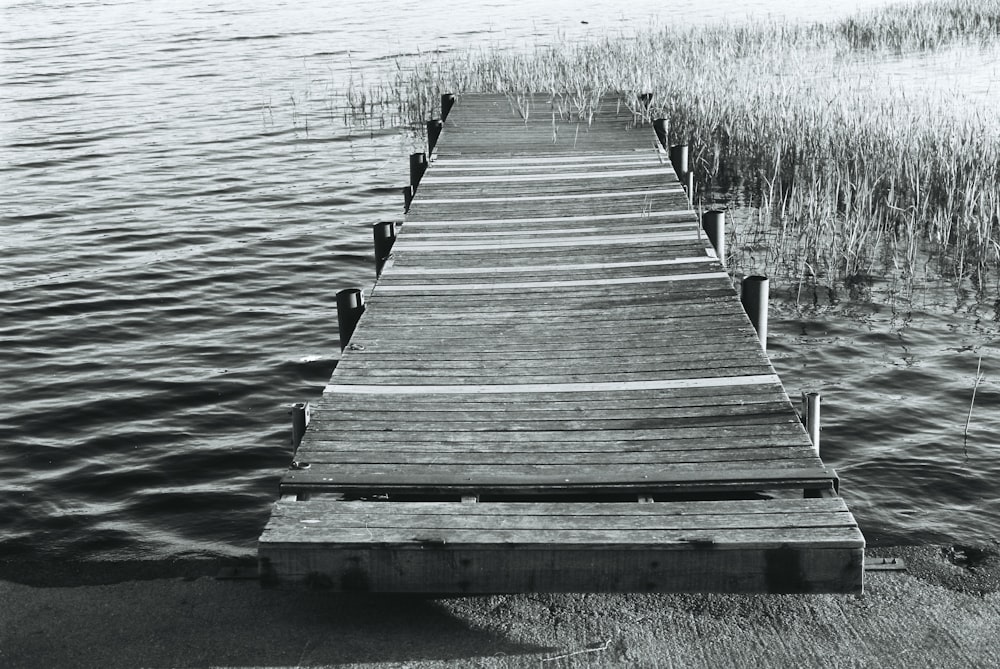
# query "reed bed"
(829, 171)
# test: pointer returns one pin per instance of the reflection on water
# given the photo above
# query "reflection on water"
(177, 220)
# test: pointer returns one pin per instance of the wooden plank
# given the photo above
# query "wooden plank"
(517, 230)
(560, 176)
(517, 371)
(732, 512)
(520, 285)
(428, 568)
(765, 546)
(459, 413)
(428, 199)
(547, 162)
(608, 445)
(333, 453)
(639, 348)
(635, 426)
(789, 432)
(527, 522)
(604, 240)
(380, 476)
(618, 519)
(634, 404)
(405, 342)
(464, 389)
(545, 225)
(547, 268)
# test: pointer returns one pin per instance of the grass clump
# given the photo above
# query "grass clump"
(843, 176)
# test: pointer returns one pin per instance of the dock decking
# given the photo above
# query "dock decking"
(554, 387)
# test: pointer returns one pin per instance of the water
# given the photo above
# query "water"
(182, 199)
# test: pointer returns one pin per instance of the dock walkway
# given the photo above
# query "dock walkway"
(554, 387)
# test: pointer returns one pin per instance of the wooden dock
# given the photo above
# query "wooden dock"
(554, 387)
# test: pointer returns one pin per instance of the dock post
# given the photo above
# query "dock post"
(645, 99)
(434, 127)
(810, 417)
(679, 159)
(407, 198)
(713, 222)
(689, 180)
(384, 234)
(447, 102)
(754, 295)
(660, 128)
(350, 306)
(418, 165)
(300, 420)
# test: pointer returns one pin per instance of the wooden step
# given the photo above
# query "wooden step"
(766, 546)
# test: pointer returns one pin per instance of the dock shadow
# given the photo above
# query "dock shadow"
(206, 622)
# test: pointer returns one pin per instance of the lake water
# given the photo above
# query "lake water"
(181, 200)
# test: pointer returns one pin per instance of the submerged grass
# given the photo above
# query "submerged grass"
(841, 176)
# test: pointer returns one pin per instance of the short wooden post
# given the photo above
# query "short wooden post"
(418, 165)
(713, 222)
(447, 102)
(645, 99)
(384, 235)
(434, 127)
(350, 306)
(754, 296)
(660, 128)
(407, 198)
(300, 421)
(810, 417)
(679, 159)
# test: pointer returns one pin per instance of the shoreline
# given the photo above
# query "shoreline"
(962, 567)
(944, 611)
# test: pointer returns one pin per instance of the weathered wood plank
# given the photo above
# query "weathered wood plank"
(550, 387)
(332, 453)
(617, 517)
(368, 419)
(557, 407)
(543, 270)
(782, 510)
(696, 443)
(498, 569)
(764, 474)
(764, 546)
(621, 438)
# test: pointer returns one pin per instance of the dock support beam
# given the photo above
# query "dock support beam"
(660, 128)
(679, 159)
(434, 127)
(754, 293)
(713, 222)
(810, 417)
(350, 306)
(300, 420)
(418, 165)
(384, 234)
(447, 102)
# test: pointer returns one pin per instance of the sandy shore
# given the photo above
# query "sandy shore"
(944, 611)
